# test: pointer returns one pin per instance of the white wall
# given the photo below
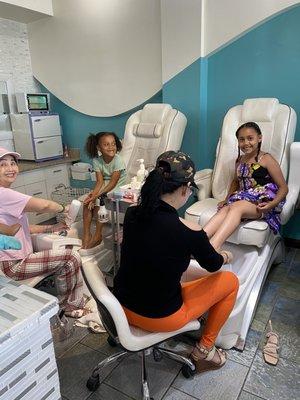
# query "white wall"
(101, 58)
(15, 63)
(181, 35)
(227, 19)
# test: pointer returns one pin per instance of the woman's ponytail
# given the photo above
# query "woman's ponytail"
(151, 192)
(155, 186)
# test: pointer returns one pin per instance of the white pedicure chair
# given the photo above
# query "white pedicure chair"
(255, 248)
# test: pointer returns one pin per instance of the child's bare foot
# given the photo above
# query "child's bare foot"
(95, 241)
(10, 230)
(85, 241)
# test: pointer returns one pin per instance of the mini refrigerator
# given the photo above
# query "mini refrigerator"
(37, 137)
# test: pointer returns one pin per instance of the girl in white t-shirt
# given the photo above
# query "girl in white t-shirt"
(103, 148)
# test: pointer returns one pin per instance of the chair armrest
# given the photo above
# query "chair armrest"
(46, 241)
(203, 181)
(293, 183)
(67, 241)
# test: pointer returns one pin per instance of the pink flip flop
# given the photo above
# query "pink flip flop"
(270, 349)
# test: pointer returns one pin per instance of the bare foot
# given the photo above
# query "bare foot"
(95, 241)
(85, 241)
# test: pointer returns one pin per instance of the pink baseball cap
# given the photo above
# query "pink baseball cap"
(4, 152)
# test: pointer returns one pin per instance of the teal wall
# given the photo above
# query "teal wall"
(265, 62)
(182, 92)
(187, 92)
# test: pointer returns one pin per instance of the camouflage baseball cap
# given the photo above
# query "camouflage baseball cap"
(179, 165)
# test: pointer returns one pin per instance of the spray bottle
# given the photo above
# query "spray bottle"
(102, 213)
(142, 173)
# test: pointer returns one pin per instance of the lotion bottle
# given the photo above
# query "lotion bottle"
(73, 212)
(142, 173)
(135, 184)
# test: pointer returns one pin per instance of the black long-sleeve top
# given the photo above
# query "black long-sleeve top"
(154, 255)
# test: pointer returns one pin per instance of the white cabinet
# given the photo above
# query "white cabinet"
(37, 137)
(41, 183)
(56, 176)
(45, 126)
(37, 189)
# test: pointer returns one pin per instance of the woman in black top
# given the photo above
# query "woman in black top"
(156, 250)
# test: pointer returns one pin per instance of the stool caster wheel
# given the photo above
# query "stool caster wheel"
(111, 341)
(187, 371)
(93, 383)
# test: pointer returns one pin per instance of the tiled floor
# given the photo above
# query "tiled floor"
(244, 377)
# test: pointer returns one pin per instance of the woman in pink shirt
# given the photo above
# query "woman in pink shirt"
(24, 263)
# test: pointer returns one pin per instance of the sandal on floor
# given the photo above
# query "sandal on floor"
(270, 350)
(80, 312)
(95, 327)
(86, 299)
(206, 363)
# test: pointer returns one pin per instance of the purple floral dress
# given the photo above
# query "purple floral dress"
(256, 186)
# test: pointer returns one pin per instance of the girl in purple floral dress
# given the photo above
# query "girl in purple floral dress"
(258, 189)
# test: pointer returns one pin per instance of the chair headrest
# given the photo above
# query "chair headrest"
(153, 113)
(147, 130)
(259, 110)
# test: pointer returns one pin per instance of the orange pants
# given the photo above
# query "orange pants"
(215, 293)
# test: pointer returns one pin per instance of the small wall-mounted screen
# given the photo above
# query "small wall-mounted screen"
(37, 102)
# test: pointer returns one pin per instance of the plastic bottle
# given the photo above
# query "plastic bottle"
(73, 212)
(102, 213)
(142, 173)
(135, 184)
(66, 151)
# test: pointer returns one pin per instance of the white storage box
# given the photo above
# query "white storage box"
(81, 171)
(28, 367)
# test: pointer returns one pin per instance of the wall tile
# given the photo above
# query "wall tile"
(15, 61)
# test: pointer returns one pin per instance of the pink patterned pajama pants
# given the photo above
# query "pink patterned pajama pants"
(63, 264)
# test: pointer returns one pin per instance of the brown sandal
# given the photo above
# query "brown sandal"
(270, 350)
(206, 363)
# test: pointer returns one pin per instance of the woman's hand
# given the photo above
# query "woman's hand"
(265, 206)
